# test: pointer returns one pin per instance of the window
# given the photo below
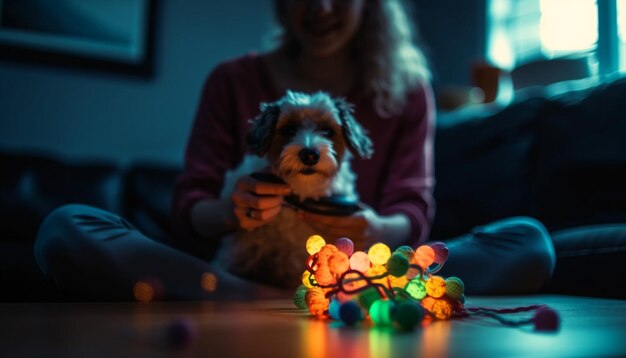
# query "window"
(621, 25)
(514, 35)
(527, 30)
(568, 27)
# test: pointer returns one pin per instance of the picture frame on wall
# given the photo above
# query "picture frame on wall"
(108, 35)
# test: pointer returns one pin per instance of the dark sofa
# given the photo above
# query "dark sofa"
(560, 158)
(31, 186)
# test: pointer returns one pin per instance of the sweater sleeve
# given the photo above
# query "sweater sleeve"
(211, 151)
(410, 182)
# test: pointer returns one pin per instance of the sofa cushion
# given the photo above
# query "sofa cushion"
(31, 186)
(590, 261)
(20, 277)
(581, 161)
(147, 198)
(483, 168)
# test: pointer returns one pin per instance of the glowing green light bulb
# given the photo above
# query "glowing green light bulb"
(416, 288)
(381, 312)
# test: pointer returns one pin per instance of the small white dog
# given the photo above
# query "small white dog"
(307, 140)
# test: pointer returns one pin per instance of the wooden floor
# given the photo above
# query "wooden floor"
(590, 327)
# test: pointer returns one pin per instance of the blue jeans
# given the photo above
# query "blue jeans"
(509, 256)
(93, 254)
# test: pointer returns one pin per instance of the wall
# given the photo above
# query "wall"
(87, 114)
(81, 113)
(454, 32)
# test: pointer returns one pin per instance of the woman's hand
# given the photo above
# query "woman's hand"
(257, 202)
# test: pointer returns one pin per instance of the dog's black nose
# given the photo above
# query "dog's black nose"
(309, 156)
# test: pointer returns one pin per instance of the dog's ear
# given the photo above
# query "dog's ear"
(355, 135)
(262, 130)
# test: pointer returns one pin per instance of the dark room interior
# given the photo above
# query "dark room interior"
(97, 102)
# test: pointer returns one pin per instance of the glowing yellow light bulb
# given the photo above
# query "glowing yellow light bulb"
(377, 271)
(306, 279)
(400, 282)
(436, 286)
(314, 243)
(379, 254)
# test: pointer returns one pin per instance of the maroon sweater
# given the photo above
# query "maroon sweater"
(397, 179)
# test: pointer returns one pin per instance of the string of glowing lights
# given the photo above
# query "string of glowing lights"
(396, 288)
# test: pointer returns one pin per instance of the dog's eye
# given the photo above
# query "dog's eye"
(328, 132)
(288, 130)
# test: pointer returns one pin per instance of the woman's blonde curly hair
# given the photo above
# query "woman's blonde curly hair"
(384, 50)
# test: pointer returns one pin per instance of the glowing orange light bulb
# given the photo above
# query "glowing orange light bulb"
(424, 256)
(400, 282)
(360, 261)
(326, 252)
(143, 291)
(316, 301)
(338, 263)
(209, 281)
(439, 308)
(323, 276)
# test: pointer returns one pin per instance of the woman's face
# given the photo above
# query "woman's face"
(323, 27)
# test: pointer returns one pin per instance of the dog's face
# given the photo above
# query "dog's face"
(307, 138)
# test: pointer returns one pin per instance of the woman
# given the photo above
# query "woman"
(362, 50)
